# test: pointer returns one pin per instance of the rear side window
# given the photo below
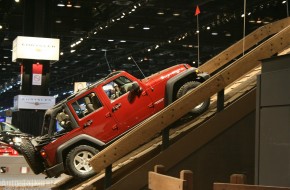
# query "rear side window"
(87, 104)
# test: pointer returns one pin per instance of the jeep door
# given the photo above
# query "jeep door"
(94, 117)
(126, 107)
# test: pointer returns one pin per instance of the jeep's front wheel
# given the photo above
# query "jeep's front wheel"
(199, 109)
(77, 161)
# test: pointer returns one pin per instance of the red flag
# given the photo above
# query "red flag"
(197, 11)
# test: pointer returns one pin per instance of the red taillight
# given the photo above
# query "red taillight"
(14, 152)
(43, 153)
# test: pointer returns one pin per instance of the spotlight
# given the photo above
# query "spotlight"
(160, 13)
(146, 28)
(60, 4)
(77, 5)
(69, 4)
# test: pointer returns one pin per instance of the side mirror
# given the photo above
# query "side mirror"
(134, 91)
(135, 87)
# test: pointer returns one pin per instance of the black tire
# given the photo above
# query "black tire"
(77, 161)
(31, 156)
(199, 109)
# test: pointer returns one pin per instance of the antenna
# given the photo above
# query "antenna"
(152, 89)
(107, 60)
(138, 66)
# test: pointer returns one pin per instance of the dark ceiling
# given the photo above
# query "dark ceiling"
(103, 34)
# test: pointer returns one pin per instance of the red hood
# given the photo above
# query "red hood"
(165, 74)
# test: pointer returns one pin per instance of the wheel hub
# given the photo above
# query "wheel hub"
(81, 161)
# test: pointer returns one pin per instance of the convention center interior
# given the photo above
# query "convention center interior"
(145, 94)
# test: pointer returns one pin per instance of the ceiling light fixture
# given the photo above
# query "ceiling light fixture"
(259, 21)
(77, 5)
(60, 4)
(69, 4)
(110, 40)
(93, 48)
(160, 13)
(176, 14)
(123, 41)
(146, 28)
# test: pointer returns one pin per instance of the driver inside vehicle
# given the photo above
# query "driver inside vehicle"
(112, 90)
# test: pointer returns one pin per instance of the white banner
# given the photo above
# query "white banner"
(33, 102)
(35, 48)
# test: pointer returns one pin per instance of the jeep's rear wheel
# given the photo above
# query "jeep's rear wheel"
(202, 107)
(31, 156)
(77, 161)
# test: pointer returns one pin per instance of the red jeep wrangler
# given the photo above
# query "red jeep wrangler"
(83, 124)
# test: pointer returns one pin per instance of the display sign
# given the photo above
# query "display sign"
(35, 48)
(36, 74)
(33, 102)
(79, 86)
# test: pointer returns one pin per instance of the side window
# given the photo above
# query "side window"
(117, 87)
(87, 105)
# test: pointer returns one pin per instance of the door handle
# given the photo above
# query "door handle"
(88, 123)
(116, 107)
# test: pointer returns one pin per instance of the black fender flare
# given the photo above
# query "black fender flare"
(61, 148)
(169, 88)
